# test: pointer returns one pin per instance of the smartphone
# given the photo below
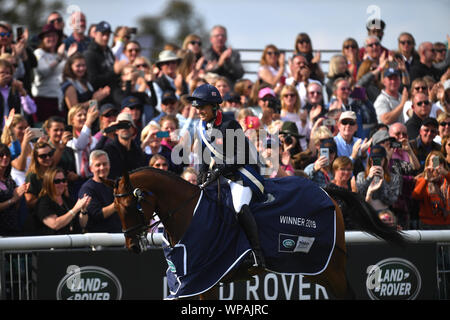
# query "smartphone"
(37, 132)
(93, 103)
(68, 128)
(19, 33)
(435, 162)
(162, 134)
(329, 122)
(326, 153)
(133, 30)
(376, 161)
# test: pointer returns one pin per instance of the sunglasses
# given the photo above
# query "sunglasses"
(315, 92)
(4, 155)
(303, 41)
(58, 181)
(134, 49)
(421, 88)
(270, 53)
(406, 42)
(46, 155)
(345, 88)
(5, 34)
(350, 46)
(421, 103)
(347, 121)
(443, 124)
(289, 95)
(59, 20)
(143, 65)
(193, 42)
(375, 44)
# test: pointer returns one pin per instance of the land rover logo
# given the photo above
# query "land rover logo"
(288, 243)
(393, 279)
(89, 283)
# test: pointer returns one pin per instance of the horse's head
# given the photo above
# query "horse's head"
(135, 207)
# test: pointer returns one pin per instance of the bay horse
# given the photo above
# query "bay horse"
(146, 192)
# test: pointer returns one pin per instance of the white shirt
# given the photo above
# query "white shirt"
(47, 80)
(385, 103)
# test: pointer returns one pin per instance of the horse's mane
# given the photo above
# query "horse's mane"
(162, 172)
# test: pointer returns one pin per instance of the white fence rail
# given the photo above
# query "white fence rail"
(156, 239)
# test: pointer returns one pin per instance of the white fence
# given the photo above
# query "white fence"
(155, 239)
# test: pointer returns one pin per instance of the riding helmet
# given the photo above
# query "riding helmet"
(205, 94)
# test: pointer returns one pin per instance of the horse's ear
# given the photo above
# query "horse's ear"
(110, 183)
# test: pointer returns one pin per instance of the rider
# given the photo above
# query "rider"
(238, 164)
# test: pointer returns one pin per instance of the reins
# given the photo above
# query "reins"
(139, 195)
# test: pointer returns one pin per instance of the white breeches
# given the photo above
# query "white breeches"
(241, 195)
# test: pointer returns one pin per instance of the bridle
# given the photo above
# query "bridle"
(142, 227)
(139, 197)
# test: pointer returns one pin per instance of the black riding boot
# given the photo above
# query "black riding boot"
(248, 223)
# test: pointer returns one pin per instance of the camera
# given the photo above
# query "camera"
(396, 144)
(288, 139)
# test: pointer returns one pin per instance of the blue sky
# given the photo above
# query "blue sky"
(256, 23)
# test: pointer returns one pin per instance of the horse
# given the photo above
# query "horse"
(146, 192)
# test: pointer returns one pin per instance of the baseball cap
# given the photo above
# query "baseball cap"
(131, 102)
(266, 91)
(391, 71)
(103, 26)
(125, 116)
(347, 115)
(169, 96)
(104, 108)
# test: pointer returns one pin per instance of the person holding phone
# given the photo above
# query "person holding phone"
(432, 190)
(377, 169)
(13, 95)
(321, 171)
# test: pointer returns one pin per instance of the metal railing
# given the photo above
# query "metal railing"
(250, 59)
(17, 269)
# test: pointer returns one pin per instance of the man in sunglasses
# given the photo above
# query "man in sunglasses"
(57, 21)
(347, 144)
(123, 152)
(426, 67)
(421, 107)
(375, 28)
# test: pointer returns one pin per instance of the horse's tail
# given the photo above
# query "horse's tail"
(365, 216)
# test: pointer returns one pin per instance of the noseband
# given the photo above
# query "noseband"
(138, 196)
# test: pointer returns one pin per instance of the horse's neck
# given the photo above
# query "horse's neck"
(174, 200)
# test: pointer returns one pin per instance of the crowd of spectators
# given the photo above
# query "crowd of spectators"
(79, 108)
